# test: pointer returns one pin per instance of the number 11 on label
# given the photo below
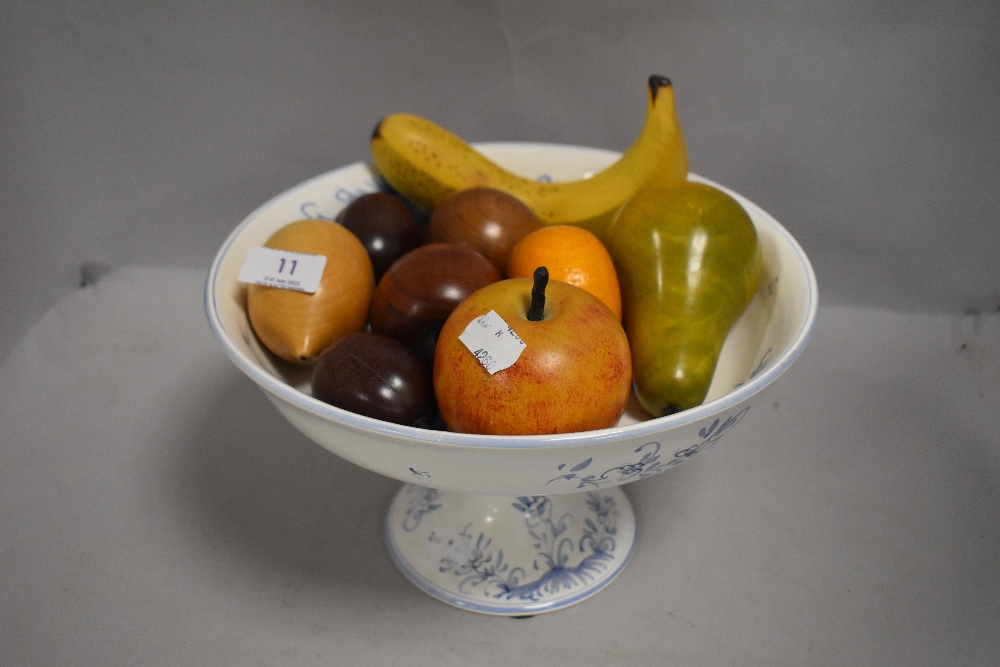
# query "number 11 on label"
(297, 271)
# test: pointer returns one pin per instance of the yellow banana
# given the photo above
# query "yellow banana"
(428, 164)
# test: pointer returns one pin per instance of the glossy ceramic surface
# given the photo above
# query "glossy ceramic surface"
(764, 342)
(510, 555)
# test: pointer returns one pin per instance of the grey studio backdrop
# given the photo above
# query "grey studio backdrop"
(137, 133)
(156, 510)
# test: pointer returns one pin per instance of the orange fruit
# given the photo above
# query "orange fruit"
(572, 255)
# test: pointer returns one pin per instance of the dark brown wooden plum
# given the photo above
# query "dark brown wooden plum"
(488, 220)
(419, 291)
(375, 376)
(385, 226)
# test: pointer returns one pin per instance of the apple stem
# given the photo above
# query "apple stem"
(537, 308)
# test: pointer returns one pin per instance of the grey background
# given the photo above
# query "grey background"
(135, 133)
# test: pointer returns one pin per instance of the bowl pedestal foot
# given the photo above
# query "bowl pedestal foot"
(510, 555)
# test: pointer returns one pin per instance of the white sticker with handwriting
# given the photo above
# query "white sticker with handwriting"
(492, 342)
(281, 268)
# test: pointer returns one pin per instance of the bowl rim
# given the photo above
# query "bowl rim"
(361, 423)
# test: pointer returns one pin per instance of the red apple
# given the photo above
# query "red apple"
(574, 372)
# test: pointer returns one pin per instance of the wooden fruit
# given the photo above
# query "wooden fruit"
(689, 262)
(297, 326)
(385, 226)
(420, 290)
(375, 376)
(489, 221)
(573, 255)
(573, 374)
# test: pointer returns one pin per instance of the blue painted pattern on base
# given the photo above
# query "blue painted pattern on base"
(483, 567)
(425, 502)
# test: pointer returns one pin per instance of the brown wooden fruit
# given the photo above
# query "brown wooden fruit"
(488, 220)
(385, 226)
(375, 376)
(422, 287)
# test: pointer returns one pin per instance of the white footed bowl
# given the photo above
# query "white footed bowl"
(764, 342)
(516, 525)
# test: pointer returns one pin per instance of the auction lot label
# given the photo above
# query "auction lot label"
(281, 268)
(492, 342)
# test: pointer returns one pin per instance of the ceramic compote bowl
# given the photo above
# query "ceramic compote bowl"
(516, 525)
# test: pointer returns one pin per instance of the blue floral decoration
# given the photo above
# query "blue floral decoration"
(649, 462)
(342, 197)
(424, 503)
(484, 567)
